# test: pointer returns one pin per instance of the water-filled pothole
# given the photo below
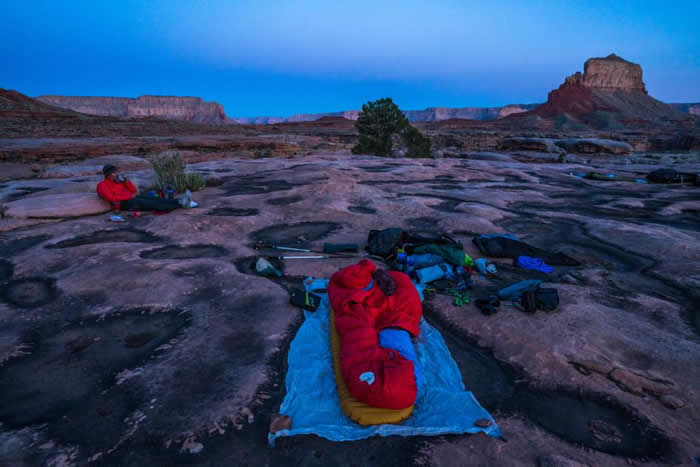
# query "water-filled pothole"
(234, 212)
(18, 245)
(108, 236)
(30, 292)
(184, 252)
(300, 234)
(362, 210)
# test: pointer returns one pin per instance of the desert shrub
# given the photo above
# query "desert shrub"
(378, 122)
(169, 167)
(195, 181)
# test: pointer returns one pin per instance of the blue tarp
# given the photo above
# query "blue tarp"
(443, 405)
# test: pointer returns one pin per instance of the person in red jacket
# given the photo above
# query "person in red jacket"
(122, 194)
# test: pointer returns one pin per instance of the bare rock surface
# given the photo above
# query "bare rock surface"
(57, 206)
(154, 342)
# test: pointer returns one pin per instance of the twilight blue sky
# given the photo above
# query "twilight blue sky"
(275, 57)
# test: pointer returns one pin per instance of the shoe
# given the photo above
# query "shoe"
(194, 204)
(185, 199)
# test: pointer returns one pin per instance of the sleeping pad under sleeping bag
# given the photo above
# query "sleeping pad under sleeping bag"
(378, 376)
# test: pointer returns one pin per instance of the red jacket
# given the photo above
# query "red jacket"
(359, 316)
(115, 192)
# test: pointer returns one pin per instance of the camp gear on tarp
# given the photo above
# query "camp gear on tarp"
(485, 267)
(444, 406)
(356, 410)
(304, 299)
(434, 273)
(459, 298)
(515, 291)
(384, 243)
(504, 247)
(360, 315)
(261, 244)
(528, 302)
(453, 254)
(265, 268)
(400, 340)
(340, 247)
(305, 257)
(547, 299)
(488, 305)
(419, 260)
(528, 262)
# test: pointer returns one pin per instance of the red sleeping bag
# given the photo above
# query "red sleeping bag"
(374, 375)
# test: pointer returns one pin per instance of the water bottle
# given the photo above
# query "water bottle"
(171, 193)
(434, 273)
(425, 260)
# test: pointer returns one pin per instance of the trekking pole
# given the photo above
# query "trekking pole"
(305, 257)
(259, 245)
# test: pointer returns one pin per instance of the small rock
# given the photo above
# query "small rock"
(280, 422)
(557, 460)
(35, 168)
(213, 180)
(483, 423)
(627, 381)
(598, 366)
(672, 402)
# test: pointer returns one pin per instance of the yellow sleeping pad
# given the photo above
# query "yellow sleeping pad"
(357, 411)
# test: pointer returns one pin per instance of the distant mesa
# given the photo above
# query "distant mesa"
(190, 109)
(609, 93)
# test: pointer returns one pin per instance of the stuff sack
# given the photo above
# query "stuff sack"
(382, 242)
(528, 301)
(303, 299)
(546, 299)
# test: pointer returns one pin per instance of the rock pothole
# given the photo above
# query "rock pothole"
(69, 365)
(234, 212)
(30, 292)
(295, 235)
(108, 236)
(185, 252)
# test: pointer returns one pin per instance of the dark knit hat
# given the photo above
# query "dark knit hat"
(108, 169)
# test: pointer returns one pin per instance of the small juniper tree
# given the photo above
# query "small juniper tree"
(381, 119)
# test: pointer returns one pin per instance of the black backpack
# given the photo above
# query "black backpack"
(547, 299)
(382, 242)
(528, 301)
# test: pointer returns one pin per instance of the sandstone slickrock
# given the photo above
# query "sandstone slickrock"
(191, 109)
(57, 206)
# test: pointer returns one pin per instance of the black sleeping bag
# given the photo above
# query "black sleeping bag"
(504, 247)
